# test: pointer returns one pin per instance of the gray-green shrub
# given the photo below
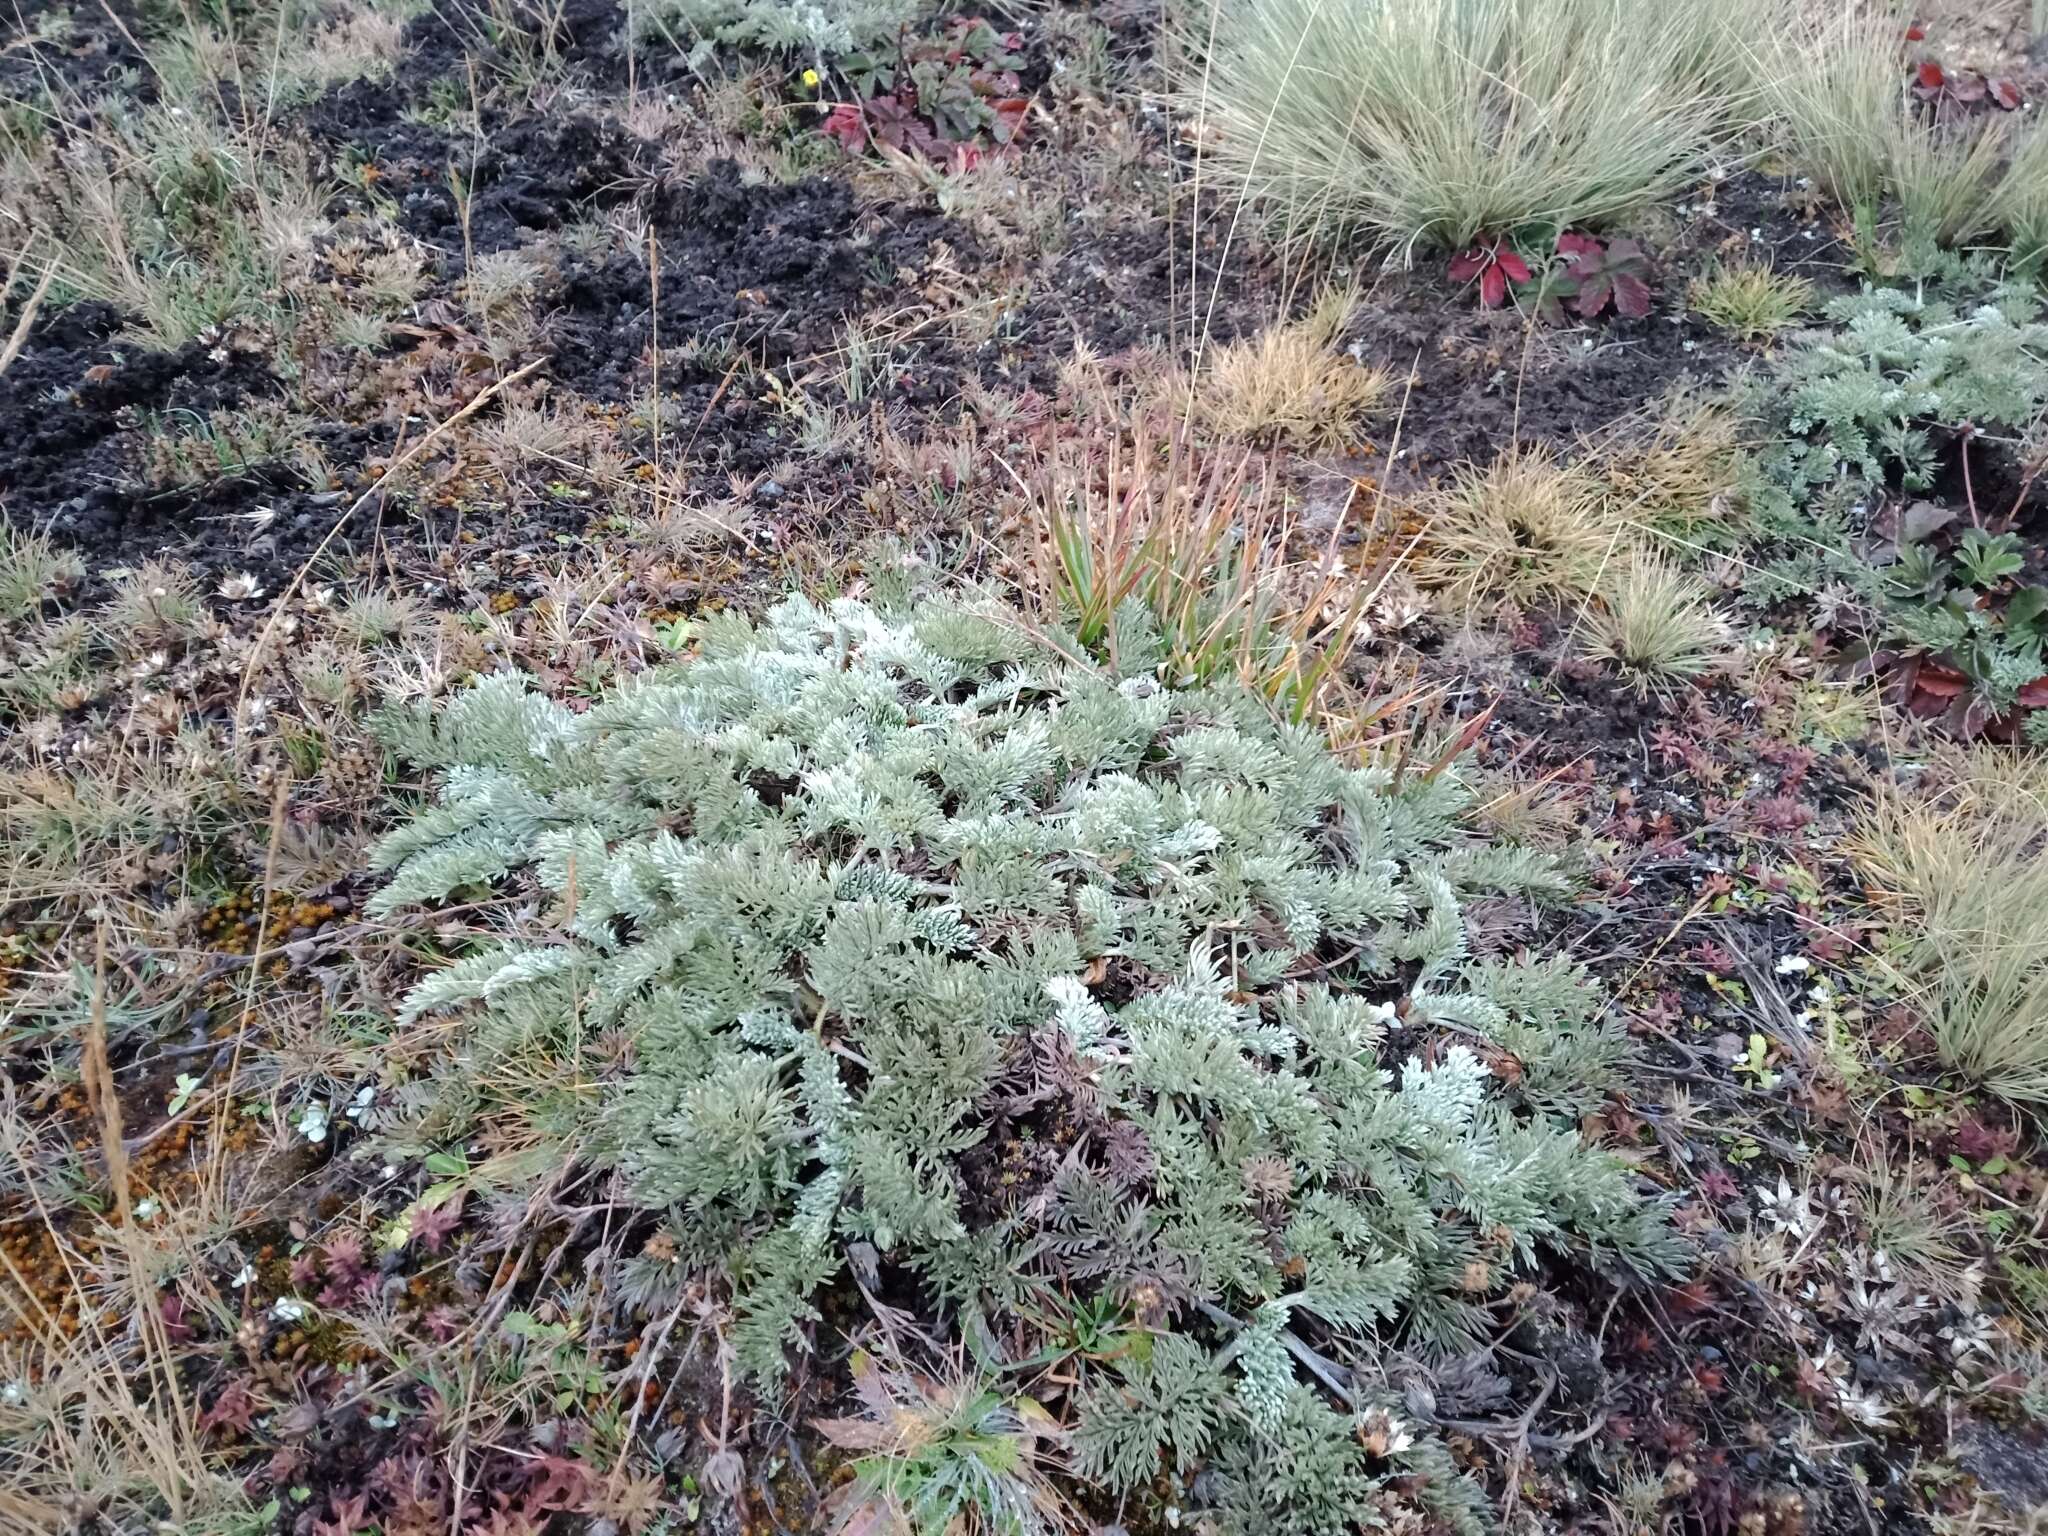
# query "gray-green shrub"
(818, 29)
(1035, 983)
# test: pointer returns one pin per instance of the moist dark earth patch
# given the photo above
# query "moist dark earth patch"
(1488, 378)
(525, 176)
(70, 403)
(769, 270)
(90, 53)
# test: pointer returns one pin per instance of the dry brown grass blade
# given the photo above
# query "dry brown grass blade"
(27, 319)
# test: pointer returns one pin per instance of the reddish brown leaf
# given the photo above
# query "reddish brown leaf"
(846, 124)
(1941, 681)
(1631, 295)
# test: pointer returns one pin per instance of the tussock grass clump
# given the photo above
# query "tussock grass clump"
(1677, 469)
(2021, 198)
(1428, 122)
(1150, 547)
(1526, 527)
(1749, 300)
(1840, 94)
(1965, 865)
(168, 214)
(1655, 624)
(1289, 383)
(32, 570)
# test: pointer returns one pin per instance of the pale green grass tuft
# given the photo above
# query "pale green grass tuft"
(1965, 866)
(1749, 301)
(1427, 122)
(1656, 626)
(32, 569)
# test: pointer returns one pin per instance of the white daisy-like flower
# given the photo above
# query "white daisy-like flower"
(288, 1309)
(1793, 965)
(1864, 1409)
(146, 1208)
(152, 664)
(244, 1277)
(240, 587)
(1786, 1209)
(14, 1393)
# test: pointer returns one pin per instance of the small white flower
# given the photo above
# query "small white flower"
(1380, 1014)
(313, 1122)
(14, 1393)
(240, 587)
(1865, 1410)
(1793, 965)
(152, 664)
(244, 1277)
(388, 1171)
(1785, 1209)
(217, 354)
(288, 1309)
(146, 1208)
(359, 1106)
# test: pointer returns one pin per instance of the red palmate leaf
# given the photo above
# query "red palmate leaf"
(1576, 247)
(1493, 286)
(1929, 78)
(1631, 295)
(1467, 265)
(846, 124)
(1513, 265)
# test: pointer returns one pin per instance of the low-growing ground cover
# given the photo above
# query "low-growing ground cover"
(1092, 767)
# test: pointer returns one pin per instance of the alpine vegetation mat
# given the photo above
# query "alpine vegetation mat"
(937, 968)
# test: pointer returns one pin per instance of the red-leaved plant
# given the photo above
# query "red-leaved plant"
(932, 95)
(1495, 264)
(1602, 272)
(1953, 93)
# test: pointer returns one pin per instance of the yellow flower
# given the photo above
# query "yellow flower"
(810, 79)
